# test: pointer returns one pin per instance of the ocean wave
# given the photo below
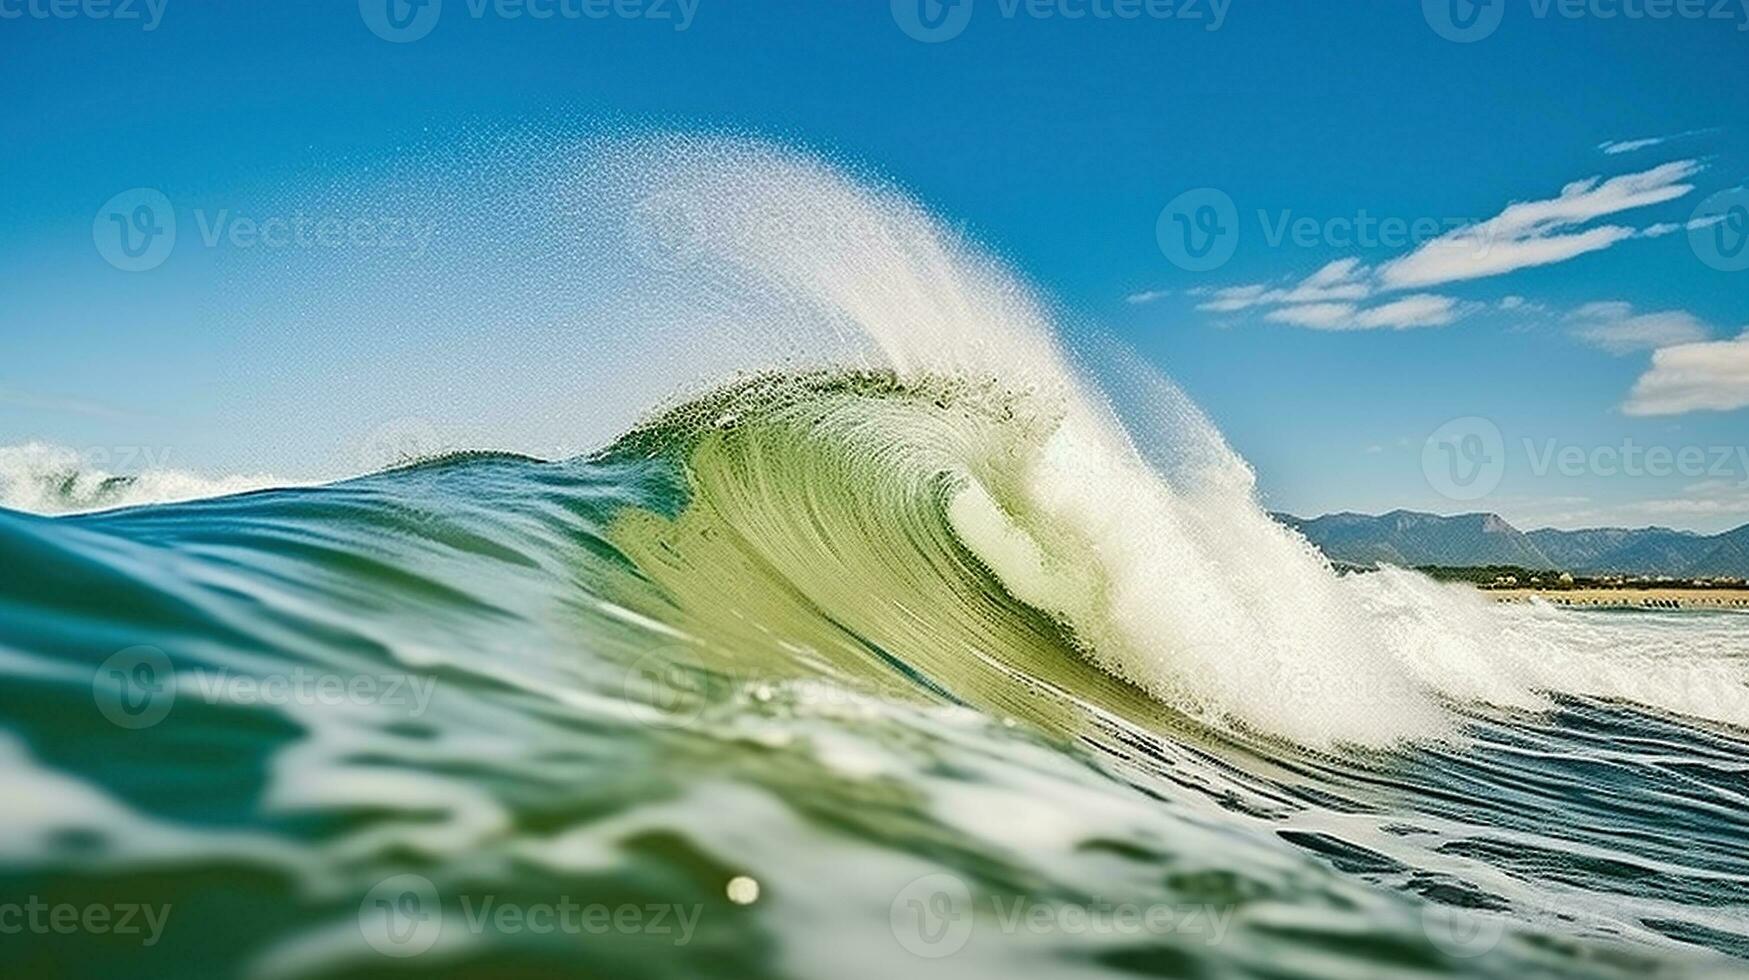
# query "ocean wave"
(909, 582)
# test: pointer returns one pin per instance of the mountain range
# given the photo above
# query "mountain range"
(1410, 539)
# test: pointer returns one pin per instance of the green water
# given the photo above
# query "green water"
(735, 698)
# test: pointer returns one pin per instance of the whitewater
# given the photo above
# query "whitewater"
(897, 575)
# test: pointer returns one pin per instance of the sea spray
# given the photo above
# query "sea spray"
(1084, 669)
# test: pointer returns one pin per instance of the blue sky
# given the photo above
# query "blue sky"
(1328, 352)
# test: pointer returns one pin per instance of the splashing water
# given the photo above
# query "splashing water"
(906, 634)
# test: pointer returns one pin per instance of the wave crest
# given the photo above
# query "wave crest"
(39, 478)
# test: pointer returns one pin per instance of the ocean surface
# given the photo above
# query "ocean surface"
(956, 646)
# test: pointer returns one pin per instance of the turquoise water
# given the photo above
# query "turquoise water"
(908, 639)
(724, 701)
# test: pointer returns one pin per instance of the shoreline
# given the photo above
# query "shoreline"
(1656, 597)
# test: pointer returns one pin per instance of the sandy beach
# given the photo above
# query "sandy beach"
(1652, 598)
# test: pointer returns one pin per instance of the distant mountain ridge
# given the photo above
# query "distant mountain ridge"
(1411, 538)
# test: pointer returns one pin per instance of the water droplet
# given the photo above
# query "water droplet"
(743, 890)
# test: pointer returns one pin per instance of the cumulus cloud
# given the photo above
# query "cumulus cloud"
(1694, 377)
(1619, 329)
(1147, 296)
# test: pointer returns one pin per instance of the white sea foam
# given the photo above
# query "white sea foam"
(1202, 599)
(1135, 522)
(46, 479)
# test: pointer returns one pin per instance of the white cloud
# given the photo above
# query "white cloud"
(1339, 281)
(1420, 310)
(1147, 296)
(1618, 329)
(1317, 316)
(1523, 235)
(1331, 298)
(1536, 233)
(1712, 376)
(1614, 147)
(1708, 507)
(1235, 298)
